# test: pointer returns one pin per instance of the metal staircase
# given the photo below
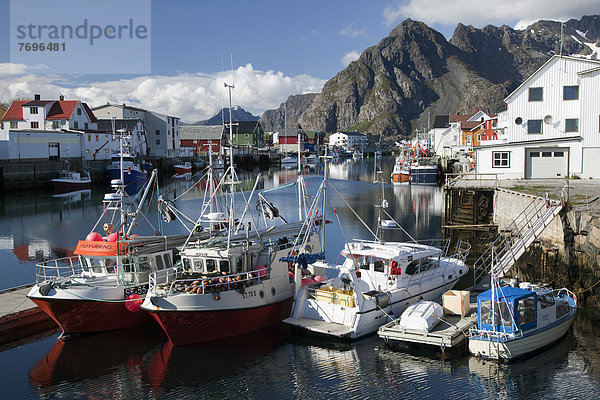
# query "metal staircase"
(514, 240)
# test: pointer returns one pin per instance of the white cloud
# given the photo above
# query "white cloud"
(189, 96)
(351, 31)
(349, 57)
(482, 12)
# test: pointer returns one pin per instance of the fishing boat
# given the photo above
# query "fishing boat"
(516, 320)
(376, 282)
(102, 286)
(234, 284)
(132, 171)
(70, 181)
(400, 173)
(183, 168)
(424, 174)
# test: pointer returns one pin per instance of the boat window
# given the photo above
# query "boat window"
(159, 263)
(167, 258)
(526, 310)
(413, 267)
(238, 264)
(364, 264)
(111, 266)
(561, 310)
(224, 266)
(501, 313)
(186, 263)
(95, 265)
(127, 265)
(549, 299)
(198, 265)
(143, 264)
(379, 267)
(210, 265)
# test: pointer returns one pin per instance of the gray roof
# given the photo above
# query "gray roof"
(105, 125)
(194, 132)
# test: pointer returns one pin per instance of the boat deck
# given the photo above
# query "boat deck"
(450, 332)
(323, 327)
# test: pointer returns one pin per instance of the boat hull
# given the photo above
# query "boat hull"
(520, 347)
(87, 316)
(66, 185)
(130, 175)
(186, 327)
(398, 179)
(180, 170)
(424, 175)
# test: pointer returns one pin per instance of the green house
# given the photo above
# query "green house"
(246, 134)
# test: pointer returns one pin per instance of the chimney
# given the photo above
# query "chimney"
(36, 97)
(61, 97)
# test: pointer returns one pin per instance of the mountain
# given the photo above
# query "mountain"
(290, 111)
(414, 73)
(239, 114)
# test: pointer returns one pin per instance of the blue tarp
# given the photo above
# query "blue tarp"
(304, 259)
(505, 292)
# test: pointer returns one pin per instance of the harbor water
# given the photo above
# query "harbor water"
(276, 363)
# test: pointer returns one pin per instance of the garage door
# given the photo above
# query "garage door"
(546, 163)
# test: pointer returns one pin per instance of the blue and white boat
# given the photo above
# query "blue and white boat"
(424, 174)
(515, 321)
(132, 172)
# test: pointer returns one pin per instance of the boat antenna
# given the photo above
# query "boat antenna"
(323, 212)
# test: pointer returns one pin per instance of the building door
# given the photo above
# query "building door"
(548, 162)
(53, 151)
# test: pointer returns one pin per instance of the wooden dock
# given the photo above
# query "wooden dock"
(450, 332)
(20, 317)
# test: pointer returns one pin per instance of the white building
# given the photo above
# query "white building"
(101, 145)
(45, 129)
(551, 126)
(349, 140)
(162, 130)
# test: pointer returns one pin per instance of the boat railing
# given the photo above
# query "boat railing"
(494, 336)
(173, 281)
(564, 292)
(60, 268)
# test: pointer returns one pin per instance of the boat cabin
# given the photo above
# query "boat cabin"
(128, 159)
(513, 309)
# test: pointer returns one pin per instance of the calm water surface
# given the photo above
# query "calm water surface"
(275, 363)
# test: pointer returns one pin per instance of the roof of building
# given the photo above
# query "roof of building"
(129, 124)
(464, 121)
(202, 132)
(125, 106)
(15, 111)
(244, 127)
(37, 103)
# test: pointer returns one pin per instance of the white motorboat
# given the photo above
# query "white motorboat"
(377, 281)
(401, 173)
(69, 181)
(513, 321)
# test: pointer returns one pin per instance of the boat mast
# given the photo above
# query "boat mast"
(299, 180)
(323, 212)
(231, 218)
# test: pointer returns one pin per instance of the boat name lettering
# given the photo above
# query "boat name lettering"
(97, 246)
(248, 294)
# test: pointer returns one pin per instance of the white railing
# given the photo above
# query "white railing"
(60, 268)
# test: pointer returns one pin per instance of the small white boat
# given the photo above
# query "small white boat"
(422, 316)
(515, 321)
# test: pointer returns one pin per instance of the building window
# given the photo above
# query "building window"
(572, 125)
(536, 94)
(86, 125)
(79, 111)
(54, 124)
(13, 124)
(500, 159)
(33, 110)
(34, 125)
(534, 126)
(246, 135)
(89, 138)
(559, 154)
(571, 92)
(158, 132)
(75, 125)
(96, 138)
(158, 141)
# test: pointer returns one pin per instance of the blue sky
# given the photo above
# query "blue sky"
(279, 48)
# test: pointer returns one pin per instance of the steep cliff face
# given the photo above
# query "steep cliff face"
(274, 120)
(415, 73)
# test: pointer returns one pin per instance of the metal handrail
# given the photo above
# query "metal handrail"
(59, 268)
(523, 227)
